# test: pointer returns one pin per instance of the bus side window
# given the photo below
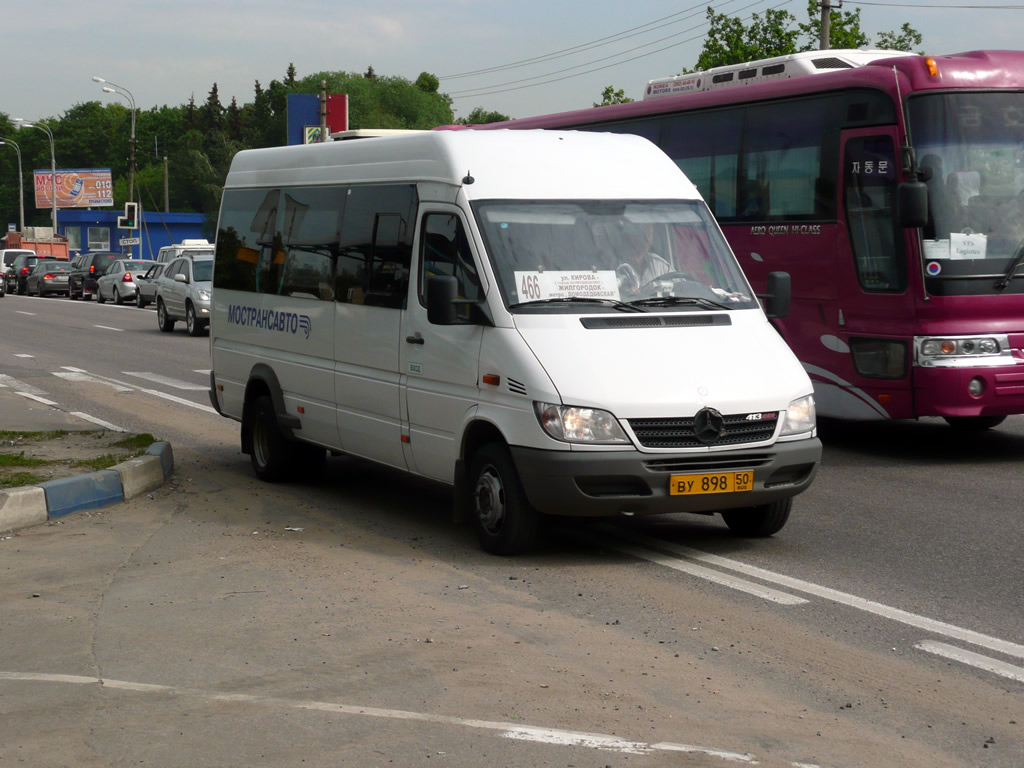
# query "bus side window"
(869, 189)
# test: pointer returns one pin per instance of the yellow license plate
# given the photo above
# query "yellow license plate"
(717, 482)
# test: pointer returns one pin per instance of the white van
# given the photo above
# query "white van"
(188, 247)
(550, 322)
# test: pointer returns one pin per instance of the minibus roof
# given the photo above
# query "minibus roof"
(501, 164)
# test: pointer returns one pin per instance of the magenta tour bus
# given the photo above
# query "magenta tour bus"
(891, 187)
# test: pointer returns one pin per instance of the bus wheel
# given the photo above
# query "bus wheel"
(503, 519)
(759, 522)
(269, 449)
(974, 423)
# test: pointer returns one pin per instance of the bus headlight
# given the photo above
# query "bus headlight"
(572, 424)
(962, 350)
(799, 417)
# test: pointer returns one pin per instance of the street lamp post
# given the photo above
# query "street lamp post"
(120, 90)
(21, 184)
(53, 164)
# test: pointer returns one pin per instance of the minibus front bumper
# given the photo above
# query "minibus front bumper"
(605, 484)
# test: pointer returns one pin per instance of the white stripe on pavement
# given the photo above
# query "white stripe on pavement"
(972, 659)
(156, 378)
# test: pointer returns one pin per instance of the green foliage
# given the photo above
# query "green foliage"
(611, 96)
(200, 139)
(480, 116)
(777, 33)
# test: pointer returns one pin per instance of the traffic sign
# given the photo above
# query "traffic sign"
(129, 241)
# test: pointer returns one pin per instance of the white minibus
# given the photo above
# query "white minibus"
(549, 322)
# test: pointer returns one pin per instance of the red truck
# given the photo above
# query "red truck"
(38, 239)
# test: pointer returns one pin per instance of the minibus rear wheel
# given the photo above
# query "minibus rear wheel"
(504, 521)
(761, 521)
(268, 452)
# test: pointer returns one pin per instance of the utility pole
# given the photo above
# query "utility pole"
(826, 8)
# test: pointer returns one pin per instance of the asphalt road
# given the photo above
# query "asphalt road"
(882, 626)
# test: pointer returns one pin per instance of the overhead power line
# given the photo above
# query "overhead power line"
(932, 5)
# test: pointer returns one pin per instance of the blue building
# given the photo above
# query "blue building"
(96, 230)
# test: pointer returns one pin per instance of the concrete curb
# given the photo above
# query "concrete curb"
(36, 504)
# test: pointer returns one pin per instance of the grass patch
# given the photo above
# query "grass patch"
(136, 442)
(6, 434)
(18, 479)
(106, 461)
(19, 460)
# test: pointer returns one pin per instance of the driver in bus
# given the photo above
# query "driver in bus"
(641, 265)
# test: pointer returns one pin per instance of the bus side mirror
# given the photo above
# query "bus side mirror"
(442, 291)
(913, 204)
(777, 298)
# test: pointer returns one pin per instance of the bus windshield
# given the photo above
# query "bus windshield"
(970, 149)
(557, 254)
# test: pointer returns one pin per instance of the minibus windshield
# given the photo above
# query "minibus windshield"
(548, 255)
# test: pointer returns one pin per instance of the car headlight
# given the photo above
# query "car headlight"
(204, 295)
(799, 416)
(573, 424)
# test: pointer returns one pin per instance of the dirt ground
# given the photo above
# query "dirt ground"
(62, 452)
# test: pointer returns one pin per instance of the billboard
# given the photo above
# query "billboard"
(76, 188)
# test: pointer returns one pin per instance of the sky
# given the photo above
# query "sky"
(522, 58)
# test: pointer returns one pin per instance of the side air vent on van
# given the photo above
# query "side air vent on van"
(655, 321)
(516, 387)
(831, 62)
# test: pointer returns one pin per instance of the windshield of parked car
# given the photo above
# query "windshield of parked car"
(560, 255)
(202, 271)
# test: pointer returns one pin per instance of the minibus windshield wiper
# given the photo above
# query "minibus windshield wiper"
(621, 306)
(1014, 266)
(671, 301)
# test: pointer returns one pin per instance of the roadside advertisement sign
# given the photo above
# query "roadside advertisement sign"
(76, 188)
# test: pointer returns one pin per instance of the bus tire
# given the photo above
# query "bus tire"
(504, 521)
(269, 449)
(759, 522)
(974, 423)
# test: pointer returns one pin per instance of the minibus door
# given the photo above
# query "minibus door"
(875, 309)
(439, 363)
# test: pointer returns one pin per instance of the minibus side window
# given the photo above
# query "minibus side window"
(444, 250)
(311, 233)
(248, 234)
(375, 250)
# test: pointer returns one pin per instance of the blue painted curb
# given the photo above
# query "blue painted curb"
(36, 504)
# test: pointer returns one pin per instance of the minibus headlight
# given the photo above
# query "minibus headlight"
(573, 424)
(799, 416)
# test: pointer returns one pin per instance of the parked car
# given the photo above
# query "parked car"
(183, 293)
(119, 281)
(90, 266)
(48, 276)
(7, 277)
(145, 285)
(20, 268)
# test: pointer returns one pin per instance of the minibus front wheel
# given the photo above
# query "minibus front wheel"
(505, 522)
(761, 521)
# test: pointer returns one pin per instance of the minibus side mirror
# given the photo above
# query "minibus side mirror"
(777, 298)
(912, 198)
(442, 292)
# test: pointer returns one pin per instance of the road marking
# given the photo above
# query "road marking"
(154, 392)
(12, 383)
(108, 328)
(555, 736)
(81, 376)
(972, 659)
(25, 355)
(204, 371)
(843, 598)
(100, 422)
(758, 590)
(156, 378)
(37, 398)
(30, 314)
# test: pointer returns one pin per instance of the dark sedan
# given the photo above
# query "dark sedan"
(48, 277)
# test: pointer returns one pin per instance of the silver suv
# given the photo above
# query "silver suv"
(183, 293)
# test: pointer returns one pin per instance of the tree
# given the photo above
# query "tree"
(611, 96)
(843, 29)
(480, 116)
(905, 41)
(384, 102)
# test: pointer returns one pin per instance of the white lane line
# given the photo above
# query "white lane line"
(204, 371)
(843, 598)
(100, 422)
(80, 377)
(108, 328)
(12, 383)
(555, 736)
(25, 355)
(30, 314)
(972, 659)
(37, 398)
(758, 590)
(154, 392)
(156, 378)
